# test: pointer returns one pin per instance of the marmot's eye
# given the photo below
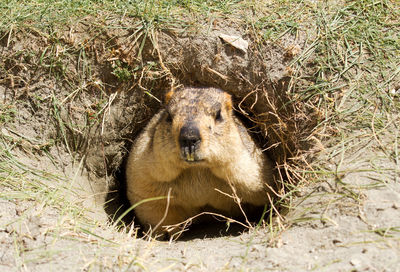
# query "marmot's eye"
(218, 116)
(169, 118)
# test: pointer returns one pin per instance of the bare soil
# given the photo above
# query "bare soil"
(81, 135)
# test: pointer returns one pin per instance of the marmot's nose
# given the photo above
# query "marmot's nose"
(189, 141)
(189, 135)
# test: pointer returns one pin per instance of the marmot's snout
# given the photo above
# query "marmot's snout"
(189, 142)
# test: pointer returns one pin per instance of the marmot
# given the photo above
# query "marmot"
(197, 151)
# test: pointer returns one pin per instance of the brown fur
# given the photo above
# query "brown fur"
(225, 158)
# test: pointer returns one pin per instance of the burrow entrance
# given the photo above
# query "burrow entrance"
(101, 92)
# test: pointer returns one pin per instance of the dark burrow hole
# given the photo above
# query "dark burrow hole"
(118, 207)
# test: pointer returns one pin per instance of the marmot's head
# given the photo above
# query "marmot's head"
(199, 121)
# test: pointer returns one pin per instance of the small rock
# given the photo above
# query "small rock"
(235, 41)
(395, 92)
(279, 243)
(356, 263)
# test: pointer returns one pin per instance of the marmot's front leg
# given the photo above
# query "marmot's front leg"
(156, 215)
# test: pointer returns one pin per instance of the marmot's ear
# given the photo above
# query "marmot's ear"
(168, 96)
(228, 101)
